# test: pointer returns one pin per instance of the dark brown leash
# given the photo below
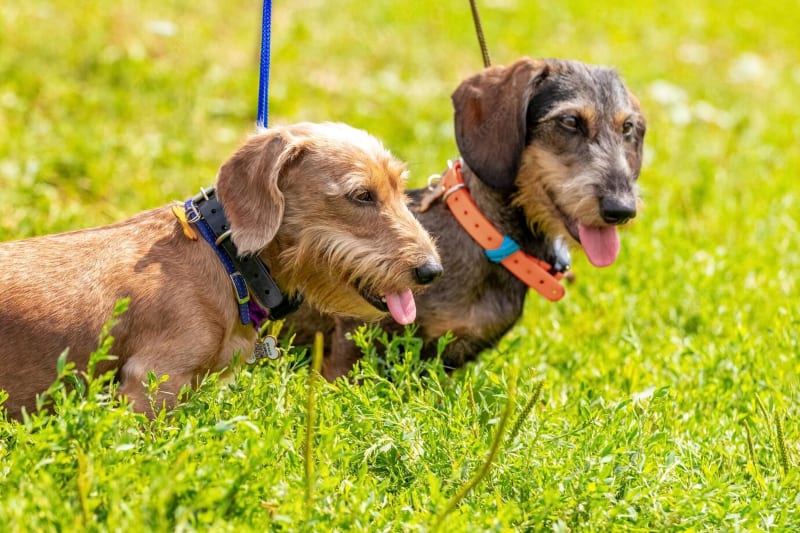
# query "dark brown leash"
(479, 31)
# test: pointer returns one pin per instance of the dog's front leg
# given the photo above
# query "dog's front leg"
(135, 386)
(342, 353)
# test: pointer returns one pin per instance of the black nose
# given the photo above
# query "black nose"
(616, 211)
(428, 273)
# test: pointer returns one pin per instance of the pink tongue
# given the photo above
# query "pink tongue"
(600, 244)
(402, 306)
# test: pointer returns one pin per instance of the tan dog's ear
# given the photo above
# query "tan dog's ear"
(490, 119)
(248, 189)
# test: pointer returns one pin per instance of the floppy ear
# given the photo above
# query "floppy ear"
(490, 119)
(248, 189)
(641, 127)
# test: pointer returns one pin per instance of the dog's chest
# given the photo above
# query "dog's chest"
(483, 310)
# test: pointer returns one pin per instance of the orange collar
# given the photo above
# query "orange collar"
(499, 248)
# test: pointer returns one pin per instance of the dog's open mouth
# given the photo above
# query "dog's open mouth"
(600, 243)
(400, 305)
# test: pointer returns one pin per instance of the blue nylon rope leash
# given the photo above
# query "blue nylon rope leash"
(263, 83)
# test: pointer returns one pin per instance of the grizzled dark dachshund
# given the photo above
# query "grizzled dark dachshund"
(550, 153)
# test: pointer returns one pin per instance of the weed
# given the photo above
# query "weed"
(651, 366)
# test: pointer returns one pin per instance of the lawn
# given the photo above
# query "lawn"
(665, 389)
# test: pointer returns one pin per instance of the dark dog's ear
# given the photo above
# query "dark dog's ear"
(641, 127)
(248, 189)
(490, 119)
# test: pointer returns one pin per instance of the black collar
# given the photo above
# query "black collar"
(249, 274)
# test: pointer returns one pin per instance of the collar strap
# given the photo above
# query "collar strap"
(499, 248)
(249, 274)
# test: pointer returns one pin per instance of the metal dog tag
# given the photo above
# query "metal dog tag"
(266, 348)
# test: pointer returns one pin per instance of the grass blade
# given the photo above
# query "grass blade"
(311, 414)
(483, 471)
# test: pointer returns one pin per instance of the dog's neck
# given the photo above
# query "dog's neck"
(487, 227)
(258, 295)
(273, 256)
(498, 208)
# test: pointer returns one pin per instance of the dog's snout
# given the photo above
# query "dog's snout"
(428, 272)
(616, 211)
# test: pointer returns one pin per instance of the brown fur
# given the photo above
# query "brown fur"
(534, 176)
(294, 196)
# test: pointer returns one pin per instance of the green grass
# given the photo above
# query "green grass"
(671, 385)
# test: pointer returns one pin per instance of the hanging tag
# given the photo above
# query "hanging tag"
(266, 348)
(180, 213)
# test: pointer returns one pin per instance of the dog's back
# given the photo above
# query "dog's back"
(56, 291)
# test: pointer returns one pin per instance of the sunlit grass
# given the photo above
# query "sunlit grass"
(671, 388)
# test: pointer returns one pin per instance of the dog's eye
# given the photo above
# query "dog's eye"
(362, 196)
(627, 128)
(569, 122)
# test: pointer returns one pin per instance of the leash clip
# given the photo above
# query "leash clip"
(193, 215)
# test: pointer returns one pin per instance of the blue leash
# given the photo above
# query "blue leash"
(263, 83)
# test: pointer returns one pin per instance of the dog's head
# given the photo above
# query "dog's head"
(323, 205)
(563, 139)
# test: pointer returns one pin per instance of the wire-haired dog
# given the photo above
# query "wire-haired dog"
(295, 211)
(550, 153)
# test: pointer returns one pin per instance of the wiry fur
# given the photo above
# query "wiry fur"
(289, 196)
(532, 177)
